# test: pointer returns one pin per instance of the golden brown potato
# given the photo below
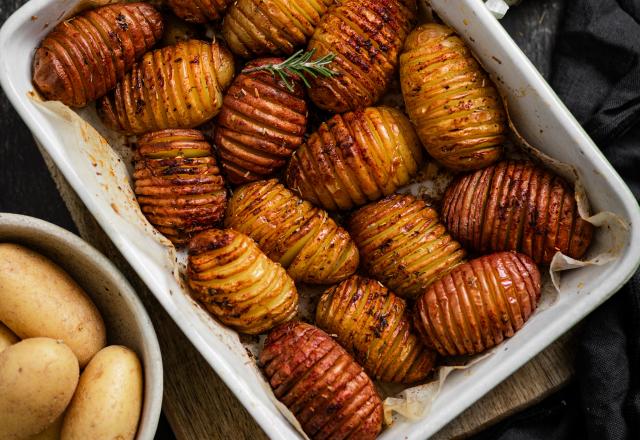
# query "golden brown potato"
(403, 244)
(178, 86)
(366, 36)
(261, 123)
(356, 158)
(516, 206)
(302, 238)
(199, 11)
(178, 184)
(277, 27)
(478, 304)
(83, 58)
(372, 324)
(328, 392)
(239, 284)
(452, 101)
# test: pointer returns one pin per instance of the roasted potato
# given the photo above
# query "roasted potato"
(356, 158)
(403, 244)
(199, 11)
(178, 184)
(452, 101)
(478, 304)
(516, 206)
(261, 123)
(328, 392)
(366, 36)
(239, 284)
(277, 27)
(372, 324)
(178, 86)
(81, 59)
(302, 238)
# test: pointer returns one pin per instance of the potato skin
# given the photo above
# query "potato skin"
(81, 59)
(482, 209)
(199, 11)
(302, 238)
(452, 101)
(7, 337)
(366, 36)
(38, 298)
(178, 183)
(355, 158)
(372, 323)
(478, 304)
(37, 379)
(108, 400)
(260, 125)
(328, 392)
(178, 86)
(238, 284)
(276, 27)
(403, 244)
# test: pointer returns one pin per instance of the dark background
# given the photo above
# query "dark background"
(26, 187)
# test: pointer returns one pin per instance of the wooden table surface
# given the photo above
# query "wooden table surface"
(197, 404)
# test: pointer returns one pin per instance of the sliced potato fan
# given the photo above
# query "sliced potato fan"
(199, 11)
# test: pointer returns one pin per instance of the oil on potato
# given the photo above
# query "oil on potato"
(199, 11)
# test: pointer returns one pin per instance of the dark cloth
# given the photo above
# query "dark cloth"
(597, 74)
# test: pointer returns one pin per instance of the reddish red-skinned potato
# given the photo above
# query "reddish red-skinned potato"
(478, 304)
(199, 11)
(516, 206)
(83, 58)
(260, 125)
(328, 392)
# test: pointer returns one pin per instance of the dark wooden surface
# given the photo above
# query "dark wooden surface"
(27, 188)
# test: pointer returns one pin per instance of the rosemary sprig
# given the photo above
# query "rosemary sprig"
(299, 64)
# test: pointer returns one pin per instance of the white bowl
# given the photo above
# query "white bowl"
(124, 315)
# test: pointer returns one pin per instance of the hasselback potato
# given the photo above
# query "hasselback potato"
(178, 86)
(355, 158)
(516, 206)
(178, 184)
(328, 392)
(261, 123)
(260, 27)
(478, 304)
(403, 244)
(239, 284)
(452, 101)
(366, 36)
(199, 11)
(372, 324)
(302, 238)
(83, 58)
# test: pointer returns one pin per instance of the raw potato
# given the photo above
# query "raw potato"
(7, 337)
(403, 244)
(478, 304)
(366, 36)
(239, 284)
(52, 432)
(37, 379)
(199, 11)
(356, 158)
(81, 59)
(260, 125)
(452, 101)
(278, 27)
(372, 324)
(516, 206)
(328, 392)
(38, 298)
(108, 401)
(178, 86)
(178, 183)
(302, 238)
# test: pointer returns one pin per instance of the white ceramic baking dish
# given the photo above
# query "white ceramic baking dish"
(536, 110)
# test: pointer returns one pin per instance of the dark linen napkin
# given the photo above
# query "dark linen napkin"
(597, 74)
